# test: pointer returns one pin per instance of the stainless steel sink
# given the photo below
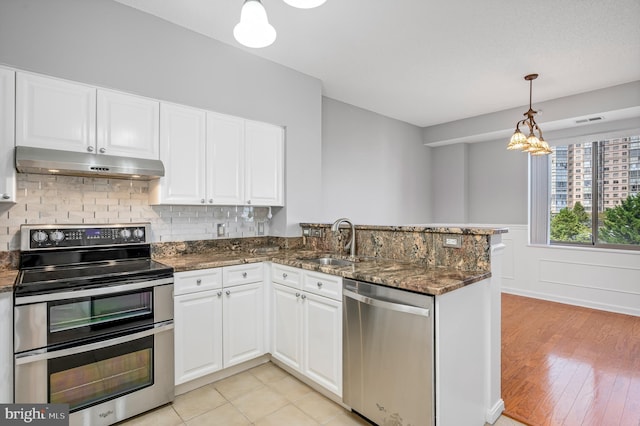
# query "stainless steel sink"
(330, 261)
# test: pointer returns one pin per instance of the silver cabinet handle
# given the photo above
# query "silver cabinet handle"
(5, 196)
(202, 200)
(319, 283)
(297, 294)
(90, 148)
(219, 294)
(210, 200)
(304, 296)
(228, 292)
(103, 150)
(284, 275)
(198, 281)
(244, 275)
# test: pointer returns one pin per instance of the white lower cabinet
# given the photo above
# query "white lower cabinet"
(217, 324)
(306, 329)
(322, 341)
(286, 333)
(197, 335)
(242, 323)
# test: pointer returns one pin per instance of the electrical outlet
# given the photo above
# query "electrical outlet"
(316, 232)
(453, 241)
(221, 230)
(260, 228)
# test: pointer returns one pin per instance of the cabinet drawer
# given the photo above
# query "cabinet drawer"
(200, 280)
(242, 274)
(286, 275)
(323, 284)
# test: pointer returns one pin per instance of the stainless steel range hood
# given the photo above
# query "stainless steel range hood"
(51, 161)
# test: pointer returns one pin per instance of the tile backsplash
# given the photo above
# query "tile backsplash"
(49, 199)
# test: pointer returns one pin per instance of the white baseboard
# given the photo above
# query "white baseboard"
(571, 301)
(219, 375)
(495, 412)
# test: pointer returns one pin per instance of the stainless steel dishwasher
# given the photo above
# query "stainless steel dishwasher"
(388, 350)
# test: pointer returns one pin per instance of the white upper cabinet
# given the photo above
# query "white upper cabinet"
(225, 157)
(264, 153)
(7, 169)
(182, 151)
(229, 161)
(55, 114)
(128, 125)
(58, 114)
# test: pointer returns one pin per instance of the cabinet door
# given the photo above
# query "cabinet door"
(225, 159)
(286, 323)
(55, 114)
(7, 168)
(6, 348)
(198, 335)
(322, 341)
(128, 125)
(264, 159)
(182, 150)
(243, 324)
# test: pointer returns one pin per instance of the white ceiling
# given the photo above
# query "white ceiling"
(427, 61)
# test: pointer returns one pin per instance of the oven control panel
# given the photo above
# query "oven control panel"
(34, 237)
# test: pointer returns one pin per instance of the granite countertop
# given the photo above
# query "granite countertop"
(7, 279)
(403, 275)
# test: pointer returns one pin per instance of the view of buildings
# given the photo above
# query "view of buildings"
(572, 174)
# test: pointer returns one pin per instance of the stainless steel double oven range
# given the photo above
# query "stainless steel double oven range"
(93, 317)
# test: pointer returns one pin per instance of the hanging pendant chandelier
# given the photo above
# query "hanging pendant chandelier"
(254, 29)
(534, 143)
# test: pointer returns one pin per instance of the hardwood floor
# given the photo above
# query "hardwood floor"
(567, 365)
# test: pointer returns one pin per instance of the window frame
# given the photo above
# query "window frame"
(540, 181)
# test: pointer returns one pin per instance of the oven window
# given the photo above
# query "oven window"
(90, 378)
(96, 311)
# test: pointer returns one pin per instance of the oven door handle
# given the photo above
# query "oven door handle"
(43, 354)
(50, 297)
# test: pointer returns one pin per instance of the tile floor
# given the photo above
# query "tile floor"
(263, 396)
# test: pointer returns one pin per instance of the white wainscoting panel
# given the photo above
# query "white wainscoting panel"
(601, 279)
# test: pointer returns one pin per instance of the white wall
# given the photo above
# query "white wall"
(448, 174)
(108, 44)
(600, 279)
(375, 170)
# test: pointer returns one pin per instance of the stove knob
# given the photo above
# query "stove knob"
(39, 236)
(56, 236)
(125, 233)
(138, 233)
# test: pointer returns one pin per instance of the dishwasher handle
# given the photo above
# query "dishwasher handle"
(414, 310)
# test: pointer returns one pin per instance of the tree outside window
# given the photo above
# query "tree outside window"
(603, 216)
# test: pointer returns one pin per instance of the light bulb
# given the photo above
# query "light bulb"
(304, 4)
(254, 29)
(518, 140)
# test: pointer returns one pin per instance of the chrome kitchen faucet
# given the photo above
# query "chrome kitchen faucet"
(352, 241)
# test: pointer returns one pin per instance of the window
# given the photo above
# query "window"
(603, 215)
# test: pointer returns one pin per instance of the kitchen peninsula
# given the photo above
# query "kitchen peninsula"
(463, 279)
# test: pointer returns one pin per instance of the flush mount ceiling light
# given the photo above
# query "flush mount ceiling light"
(254, 29)
(304, 4)
(534, 145)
